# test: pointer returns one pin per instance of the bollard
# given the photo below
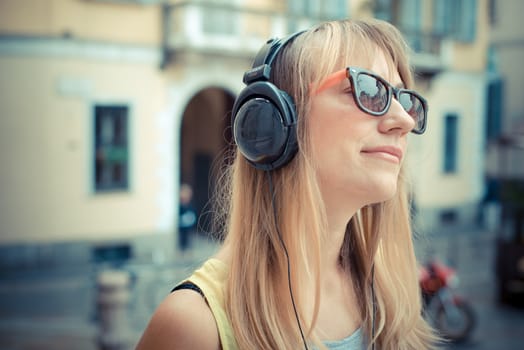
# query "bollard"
(113, 300)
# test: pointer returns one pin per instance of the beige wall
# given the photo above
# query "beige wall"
(82, 19)
(462, 94)
(46, 120)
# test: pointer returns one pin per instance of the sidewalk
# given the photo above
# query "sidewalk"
(59, 312)
(57, 309)
(47, 333)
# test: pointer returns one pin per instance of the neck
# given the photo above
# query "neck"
(337, 222)
(340, 207)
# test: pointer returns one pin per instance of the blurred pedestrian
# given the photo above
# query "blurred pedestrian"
(318, 251)
(186, 219)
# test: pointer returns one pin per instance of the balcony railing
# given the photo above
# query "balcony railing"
(225, 29)
(428, 50)
(238, 31)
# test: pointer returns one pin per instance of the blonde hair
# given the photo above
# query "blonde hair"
(258, 301)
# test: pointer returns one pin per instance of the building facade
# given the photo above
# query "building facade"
(107, 106)
(447, 165)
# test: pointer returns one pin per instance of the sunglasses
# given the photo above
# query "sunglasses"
(373, 94)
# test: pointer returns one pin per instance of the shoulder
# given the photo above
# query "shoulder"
(182, 321)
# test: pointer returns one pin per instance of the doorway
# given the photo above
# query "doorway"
(205, 138)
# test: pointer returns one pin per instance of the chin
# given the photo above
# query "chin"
(383, 191)
(388, 196)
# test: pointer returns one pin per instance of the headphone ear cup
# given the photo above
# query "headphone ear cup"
(264, 126)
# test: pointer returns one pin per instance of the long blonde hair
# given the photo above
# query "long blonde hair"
(257, 298)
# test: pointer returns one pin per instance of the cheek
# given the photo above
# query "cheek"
(326, 133)
(337, 127)
(333, 146)
(330, 118)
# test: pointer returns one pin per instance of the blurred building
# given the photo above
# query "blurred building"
(506, 57)
(447, 163)
(505, 161)
(108, 105)
(506, 81)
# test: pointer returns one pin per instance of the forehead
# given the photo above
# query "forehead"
(385, 68)
(376, 60)
(376, 63)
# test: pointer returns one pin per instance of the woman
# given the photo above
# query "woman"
(318, 250)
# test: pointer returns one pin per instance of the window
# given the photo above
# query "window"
(455, 18)
(315, 9)
(492, 12)
(409, 21)
(448, 216)
(494, 109)
(466, 25)
(444, 17)
(404, 14)
(219, 17)
(450, 143)
(111, 153)
(334, 9)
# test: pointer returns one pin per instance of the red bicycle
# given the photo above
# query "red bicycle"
(448, 312)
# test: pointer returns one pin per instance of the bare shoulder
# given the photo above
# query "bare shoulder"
(182, 321)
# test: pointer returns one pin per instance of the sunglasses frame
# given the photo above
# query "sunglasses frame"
(352, 74)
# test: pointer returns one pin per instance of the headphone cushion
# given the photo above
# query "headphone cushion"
(264, 125)
(259, 131)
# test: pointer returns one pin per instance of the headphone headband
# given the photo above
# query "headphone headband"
(261, 69)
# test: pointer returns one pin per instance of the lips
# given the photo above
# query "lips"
(390, 153)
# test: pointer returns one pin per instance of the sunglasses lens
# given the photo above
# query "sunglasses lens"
(372, 94)
(413, 105)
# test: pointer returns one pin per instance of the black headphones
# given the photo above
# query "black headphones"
(263, 116)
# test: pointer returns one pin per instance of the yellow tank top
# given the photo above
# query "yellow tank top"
(210, 278)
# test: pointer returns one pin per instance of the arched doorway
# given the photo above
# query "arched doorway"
(205, 136)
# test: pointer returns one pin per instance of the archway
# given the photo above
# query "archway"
(205, 137)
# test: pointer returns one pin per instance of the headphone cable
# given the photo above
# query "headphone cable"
(374, 305)
(270, 180)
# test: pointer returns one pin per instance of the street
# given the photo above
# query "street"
(58, 309)
(472, 253)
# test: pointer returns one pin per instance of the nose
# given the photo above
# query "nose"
(396, 119)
